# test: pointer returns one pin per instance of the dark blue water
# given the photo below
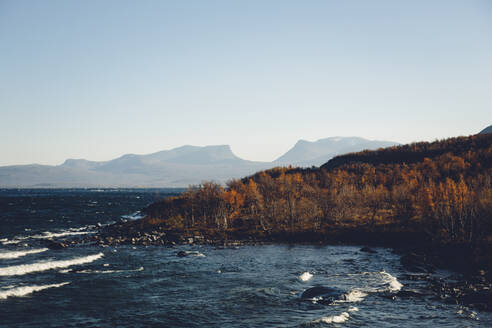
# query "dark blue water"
(137, 286)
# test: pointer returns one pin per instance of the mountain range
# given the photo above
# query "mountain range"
(178, 167)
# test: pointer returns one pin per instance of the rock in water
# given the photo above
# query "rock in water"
(51, 244)
(416, 263)
(321, 294)
(189, 253)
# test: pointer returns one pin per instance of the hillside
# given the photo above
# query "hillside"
(412, 153)
(438, 192)
(487, 130)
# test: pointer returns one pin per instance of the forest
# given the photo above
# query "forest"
(439, 190)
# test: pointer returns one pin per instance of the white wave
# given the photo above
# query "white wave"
(101, 271)
(79, 229)
(17, 270)
(354, 296)
(16, 254)
(305, 276)
(195, 253)
(393, 283)
(26, 290)
(382, 281)
(47, 234)
(353, 309)
(134, 216)
(5, 241)
(342, 317)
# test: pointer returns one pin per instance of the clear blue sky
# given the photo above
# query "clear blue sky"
(98, 79)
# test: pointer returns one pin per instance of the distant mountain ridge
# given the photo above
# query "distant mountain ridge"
(308, 153)
(178, 167)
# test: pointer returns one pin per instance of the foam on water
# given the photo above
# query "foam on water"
(393, 283)
(16, 254)
(195, 253)
(47, 234)
(305, 276)
(379, 282)
(134, 216)
(102, 271)
(342, 317)
(353, 309)
(26, 290)
(6, 241)
(17, 270)
(354, 296)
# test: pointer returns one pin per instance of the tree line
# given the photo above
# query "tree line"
(442, 189)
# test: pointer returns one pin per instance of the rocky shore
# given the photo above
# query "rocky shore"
(472, 286)
(469, 287)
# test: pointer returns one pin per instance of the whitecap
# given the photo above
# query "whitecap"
(101, 271)
(134, 216)
(342, 317)
(17, 270)
(353, 309)
(48, 234)
(305, 276)
(393, 283)
(26, 290)
(354, 296)
(79, 229)
(195, 253)
(382, 281)
(5, 241)
(16, 254)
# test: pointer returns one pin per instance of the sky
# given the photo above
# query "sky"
(99, 79)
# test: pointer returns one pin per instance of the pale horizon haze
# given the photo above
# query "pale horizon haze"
(99, 79)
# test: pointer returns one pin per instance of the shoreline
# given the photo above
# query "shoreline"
(419, 256)
(425, 254)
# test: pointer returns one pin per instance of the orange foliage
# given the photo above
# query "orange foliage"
(442, 188)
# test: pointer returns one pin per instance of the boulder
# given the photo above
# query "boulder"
(51, 244)
(321, 294)
(416, 263)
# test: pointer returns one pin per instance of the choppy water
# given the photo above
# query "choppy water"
(137, 286)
